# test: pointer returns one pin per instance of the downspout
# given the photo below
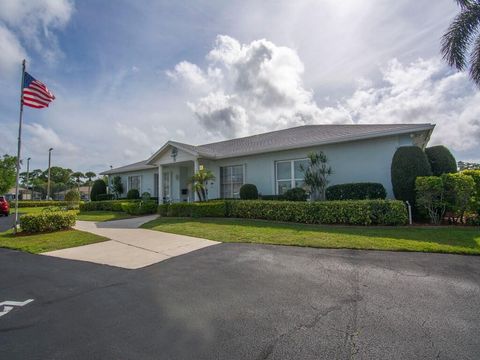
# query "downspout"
(409, 207)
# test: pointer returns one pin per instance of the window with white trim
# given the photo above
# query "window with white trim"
(289, 174)
(231, 180)
(134, 182)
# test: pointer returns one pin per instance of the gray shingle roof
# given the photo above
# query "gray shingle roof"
(302, 136)
(297, 137)
(141, 165)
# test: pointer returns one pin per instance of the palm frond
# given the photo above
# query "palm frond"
(457, 39)
(475, 62)
(463, 3)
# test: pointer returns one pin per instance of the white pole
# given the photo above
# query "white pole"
(28, 173)
(19, 148)
(49, 165)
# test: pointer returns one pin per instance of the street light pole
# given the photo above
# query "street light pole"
(28, 171)
(49, 165)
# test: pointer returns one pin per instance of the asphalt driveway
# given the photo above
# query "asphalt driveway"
(242, 301)
(6, 222)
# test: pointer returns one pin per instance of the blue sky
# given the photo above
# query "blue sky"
(129, 75)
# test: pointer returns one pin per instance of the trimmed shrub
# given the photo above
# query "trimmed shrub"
(475, 203)
(272, 197)
(133, 194)
(72, 196)
(430, 197)
(441, 160)
(146, 196)
(459, 189)
(248, 192)
(48, 221)
(356, 191)
(139, 208)
(99, 187)
(200, 209)
(103, 197)
(295, 194)
(348, 212)
(408, 163)
(32, 203)
(111, 205)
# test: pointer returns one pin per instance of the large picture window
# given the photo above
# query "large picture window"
(231, 180)
(289, 174)
(134, 182)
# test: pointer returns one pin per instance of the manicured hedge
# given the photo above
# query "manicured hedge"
(48, 221)
(109, 205)
(199, 209)
(295, 194)
(140, 208)
(32, 203)
(408, 163)
(272, 197)
(356, 191)
(358, 212)
(133, 194)
(348, 212)
(441, 160)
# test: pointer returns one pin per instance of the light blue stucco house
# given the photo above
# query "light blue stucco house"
(271, 161)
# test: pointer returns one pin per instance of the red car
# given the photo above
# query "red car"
(4, 206)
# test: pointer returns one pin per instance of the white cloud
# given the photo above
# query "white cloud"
(11, 53)
(41, 138)
(255, 87)
(34, 21)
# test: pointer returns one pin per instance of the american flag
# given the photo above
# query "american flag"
(35, 93)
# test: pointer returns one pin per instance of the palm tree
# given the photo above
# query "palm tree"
(316, 174)
(77, 176)
(199, 183)
(90, 175)
(463, 33)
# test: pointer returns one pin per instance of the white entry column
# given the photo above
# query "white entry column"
(160, 184)
(196, 167)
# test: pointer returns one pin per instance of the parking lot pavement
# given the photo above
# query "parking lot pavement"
(244, 301)
(6, 222)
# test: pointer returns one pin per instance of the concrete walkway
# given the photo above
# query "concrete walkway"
(130, 247)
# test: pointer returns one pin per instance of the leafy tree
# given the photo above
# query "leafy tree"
(8, 166)
(99, 187)
(408, 163)
(441, 160)
(462, 39)
(199, 183)
(459, 189)
(316, 174)
(117, 186)
(431, 196)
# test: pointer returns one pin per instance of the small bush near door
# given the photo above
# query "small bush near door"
(295, 194)
(248, 192)
(133, 194)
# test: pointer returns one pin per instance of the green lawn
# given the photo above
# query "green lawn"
(85, 216)
(447, 239)
(102, 215)
(39, 243)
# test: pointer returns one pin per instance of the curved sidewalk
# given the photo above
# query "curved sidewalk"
(130, 247)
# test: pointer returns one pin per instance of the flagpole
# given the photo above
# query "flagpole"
(19, 148)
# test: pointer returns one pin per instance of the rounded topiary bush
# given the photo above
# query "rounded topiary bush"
(133, 194)
(441, 160)
(408, 162)
(248, 192)
(295, 194)
(99, 187)
(72, 196)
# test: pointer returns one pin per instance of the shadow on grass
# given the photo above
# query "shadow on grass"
(467, 237)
